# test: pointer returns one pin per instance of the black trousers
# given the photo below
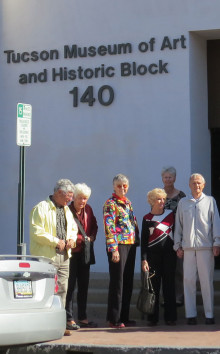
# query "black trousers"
(78, 273)
(163, 261)
(121, 284)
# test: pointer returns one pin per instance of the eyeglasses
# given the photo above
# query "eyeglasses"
(125, 186)
(68, 195)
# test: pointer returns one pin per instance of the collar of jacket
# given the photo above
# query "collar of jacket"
(123, 200)
(53, 206)
(197, 200)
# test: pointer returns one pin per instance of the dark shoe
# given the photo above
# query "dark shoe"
(191, 321)
(90, 324)
(117, 325)
(152, 323)
(210, 321)
(130, 323)
(179, 303)
(67, 333)
(72, 326)
(170, 323)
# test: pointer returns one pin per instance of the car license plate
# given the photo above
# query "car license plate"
(22, 289)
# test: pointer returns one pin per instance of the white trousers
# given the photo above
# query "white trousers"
(202, 263)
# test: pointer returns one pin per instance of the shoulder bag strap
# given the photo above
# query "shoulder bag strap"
(80, 226)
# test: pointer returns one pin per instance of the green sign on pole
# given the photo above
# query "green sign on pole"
(24, 118)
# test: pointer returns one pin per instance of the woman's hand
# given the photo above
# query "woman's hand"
(216, 251)
(115, 257)
(145, 266)
(180, 252)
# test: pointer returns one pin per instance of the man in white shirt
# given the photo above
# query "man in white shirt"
(197, 239)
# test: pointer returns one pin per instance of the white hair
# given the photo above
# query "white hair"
(170, 170)
(65, 185)
(83, 189)
(194, 175)
(122, 178)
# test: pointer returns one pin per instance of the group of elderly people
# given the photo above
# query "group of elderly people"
(176, 228)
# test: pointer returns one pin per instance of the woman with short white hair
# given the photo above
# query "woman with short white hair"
(173, 194)
(79, 272)
(158, 255)
(122, 237)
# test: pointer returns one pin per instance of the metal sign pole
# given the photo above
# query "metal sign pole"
(21, 247)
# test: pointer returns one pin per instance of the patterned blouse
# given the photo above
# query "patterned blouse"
(119, 222)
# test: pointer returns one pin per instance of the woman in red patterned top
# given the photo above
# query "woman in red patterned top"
(157, 253)
(121, 233)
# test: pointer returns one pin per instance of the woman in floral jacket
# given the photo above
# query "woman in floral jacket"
(122, 237)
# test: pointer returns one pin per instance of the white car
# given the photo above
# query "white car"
(30, 310)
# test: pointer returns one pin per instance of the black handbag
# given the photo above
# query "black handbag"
(88, 255)
(146, 298)
(86, 251)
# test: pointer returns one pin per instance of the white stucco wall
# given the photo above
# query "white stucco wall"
(154, 120)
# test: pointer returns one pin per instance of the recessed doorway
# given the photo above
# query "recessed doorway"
(213, 68)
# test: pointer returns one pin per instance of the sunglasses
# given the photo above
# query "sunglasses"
(125, 186)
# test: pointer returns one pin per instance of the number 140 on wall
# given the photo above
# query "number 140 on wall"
(105, 96)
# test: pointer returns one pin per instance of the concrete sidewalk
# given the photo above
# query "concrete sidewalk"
(179, 336)
(182, 338)
(141, 339)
